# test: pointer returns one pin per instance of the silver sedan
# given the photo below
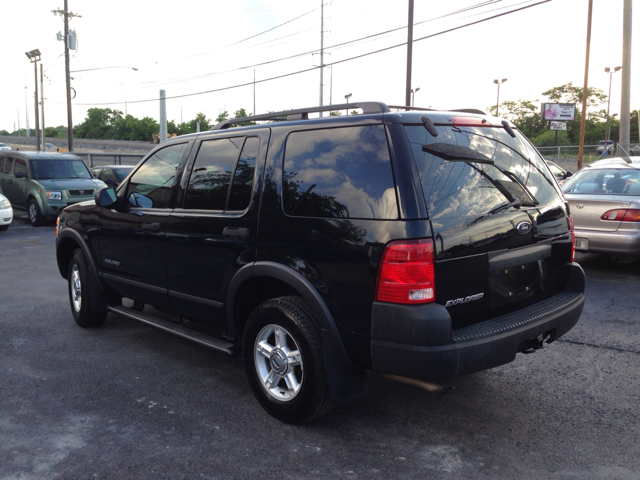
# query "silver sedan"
(605, 206)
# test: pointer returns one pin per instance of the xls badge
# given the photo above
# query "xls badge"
(523, 228)
(458, 301)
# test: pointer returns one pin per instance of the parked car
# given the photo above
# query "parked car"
(605, 206)
(560, 173)
(6, 213)
(419, 244)
(51, 146)
(42, 184)
(4, 146)
(112, 175)
(605, 146)
(635, 151)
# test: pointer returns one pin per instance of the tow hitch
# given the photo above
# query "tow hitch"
(536, 343)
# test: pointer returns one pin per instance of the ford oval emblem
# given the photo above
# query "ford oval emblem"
(523, 228)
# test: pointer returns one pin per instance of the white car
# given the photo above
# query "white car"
(4, 146)
(6, 213)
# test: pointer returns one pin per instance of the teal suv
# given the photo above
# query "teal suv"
(43, 184)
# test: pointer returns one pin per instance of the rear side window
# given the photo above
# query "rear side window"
(151, 185)
(222, 176)
(339, 173)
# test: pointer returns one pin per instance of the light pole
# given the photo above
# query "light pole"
(347, 97)
(610, 72)
(413, 91)
(608, 132)
(498, 100)
(34, 57)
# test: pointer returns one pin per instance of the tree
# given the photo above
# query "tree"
(241, 114)
(223, 116)
(98, 124)
(51, 132)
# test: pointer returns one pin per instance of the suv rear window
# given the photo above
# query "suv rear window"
(468, 188)
(339, 172)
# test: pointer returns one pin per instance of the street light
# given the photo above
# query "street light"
(34, 57)
(610, 72)
(413, 91)
(347, 97)
(498, 101)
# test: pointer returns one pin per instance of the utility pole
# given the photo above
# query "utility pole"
(625, 91)
(67, 14)
(321, 50)
(44, 148)
(254, 91)
(583, 120)
(34, 57)
(19, 131)
(407, 100)
(26, 107)
(163, 116)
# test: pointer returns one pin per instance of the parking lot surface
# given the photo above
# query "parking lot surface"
(129, 402)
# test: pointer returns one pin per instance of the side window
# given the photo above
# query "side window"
(339, 172)
(21, 166)
(151, 185)
(211, 175)
(1, 164)
(242, 184)
(8, 164)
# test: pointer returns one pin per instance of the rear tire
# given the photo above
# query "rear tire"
(4, 228)
(80, 293)
(283, 360)
(35, 216)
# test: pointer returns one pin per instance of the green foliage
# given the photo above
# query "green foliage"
(99, 124)
(51, 132)
(569, 93)
(223, 116)
(4, 132)
(241, 114)
(335, 113)
(548, 139)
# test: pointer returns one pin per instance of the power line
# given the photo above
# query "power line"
(327, 64)
(315, 51)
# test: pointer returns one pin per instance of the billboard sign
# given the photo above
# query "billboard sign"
(553, 125)
(559, 111)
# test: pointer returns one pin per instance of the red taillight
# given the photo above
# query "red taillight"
(573, 238)
(622, 215)
(470, 122)
(406, 274)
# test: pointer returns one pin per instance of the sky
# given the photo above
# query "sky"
(196, 46)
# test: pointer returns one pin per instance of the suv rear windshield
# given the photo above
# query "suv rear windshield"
(489, 169)
(59, 169)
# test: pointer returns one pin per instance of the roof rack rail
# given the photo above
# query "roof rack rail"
(468, 110)
(407, 107)
(303, 113)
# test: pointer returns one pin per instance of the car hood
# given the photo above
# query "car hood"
(71, 184)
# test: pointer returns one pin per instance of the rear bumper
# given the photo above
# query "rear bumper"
(417, 349)
(621, 241)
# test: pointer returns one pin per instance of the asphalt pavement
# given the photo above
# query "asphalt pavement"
(125, 401)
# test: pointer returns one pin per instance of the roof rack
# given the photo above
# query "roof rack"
(303, 113)
(407, 107)
(462, 110)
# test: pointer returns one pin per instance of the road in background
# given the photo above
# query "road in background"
(129, 402)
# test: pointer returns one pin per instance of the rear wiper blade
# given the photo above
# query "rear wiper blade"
(515, 203)
(456, 153)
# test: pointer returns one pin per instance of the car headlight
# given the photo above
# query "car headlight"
(5, 204)
(54, 195)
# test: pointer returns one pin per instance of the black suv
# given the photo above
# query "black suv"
(423, 244)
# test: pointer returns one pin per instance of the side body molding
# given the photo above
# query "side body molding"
(346, 381)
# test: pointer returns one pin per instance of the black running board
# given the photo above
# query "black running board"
(179, 330)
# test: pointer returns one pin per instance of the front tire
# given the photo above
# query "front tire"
(282, 352)
(35, 216)
(79, 293)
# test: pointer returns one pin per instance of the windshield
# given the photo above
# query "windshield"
(59, 169)
(470, 188)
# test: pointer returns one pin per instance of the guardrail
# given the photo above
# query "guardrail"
(94, 158)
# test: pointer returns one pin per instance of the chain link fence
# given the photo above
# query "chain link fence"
(567, 156)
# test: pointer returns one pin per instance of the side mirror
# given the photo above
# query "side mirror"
(20, 174)
(106, 197)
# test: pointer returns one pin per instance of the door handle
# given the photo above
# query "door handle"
(151, 226)
(10, 182)
(236, 233)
